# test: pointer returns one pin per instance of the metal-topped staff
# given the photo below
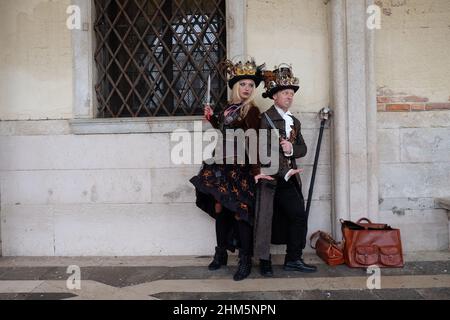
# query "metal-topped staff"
(324, 115)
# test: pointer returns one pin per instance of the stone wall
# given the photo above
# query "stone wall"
(414, 154)
(66, 193)
(112, 194)
(412, 70)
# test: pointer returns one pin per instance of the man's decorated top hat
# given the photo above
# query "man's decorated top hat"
(239, 70)
(280, 78)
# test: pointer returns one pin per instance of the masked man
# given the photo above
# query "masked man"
(280, 209)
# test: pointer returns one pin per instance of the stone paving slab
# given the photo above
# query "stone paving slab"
(36, 296)
(127, 276)
(354, 288)
(291, 284)
(46, 280)
(381, 294)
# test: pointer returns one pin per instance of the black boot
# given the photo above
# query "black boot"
(265, 268)
(298, 265)
(220, 259)
(244, 268)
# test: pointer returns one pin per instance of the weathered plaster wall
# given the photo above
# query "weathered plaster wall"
(35, 60)
(412, 60)
(293, 32)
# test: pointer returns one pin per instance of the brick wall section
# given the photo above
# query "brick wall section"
(388, 101)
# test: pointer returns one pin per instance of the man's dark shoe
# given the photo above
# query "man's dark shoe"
(244, 268)
(265, 268)
(220, 259)
(299, 265)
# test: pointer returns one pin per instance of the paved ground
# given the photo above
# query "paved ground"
(425, 276)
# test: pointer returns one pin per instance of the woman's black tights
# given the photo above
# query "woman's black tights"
(224, 224)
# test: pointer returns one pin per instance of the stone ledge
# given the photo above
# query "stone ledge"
(132, 125)
(89, 126)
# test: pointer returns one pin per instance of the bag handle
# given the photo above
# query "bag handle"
(363, 219)
(314, 235)
(342, 221)
(327, 236)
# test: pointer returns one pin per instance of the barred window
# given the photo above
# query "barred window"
(154, 56)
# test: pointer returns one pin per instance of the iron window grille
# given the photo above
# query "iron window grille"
(154, 56)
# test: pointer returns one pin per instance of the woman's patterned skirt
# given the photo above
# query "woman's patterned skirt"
(232, 185)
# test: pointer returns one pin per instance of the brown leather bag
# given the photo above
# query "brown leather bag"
(368, 243)
(327, 248)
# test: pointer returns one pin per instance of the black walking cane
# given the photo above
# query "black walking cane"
(324, 115)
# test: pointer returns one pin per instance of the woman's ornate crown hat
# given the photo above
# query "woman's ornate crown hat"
(238, 70)
(280, 78)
